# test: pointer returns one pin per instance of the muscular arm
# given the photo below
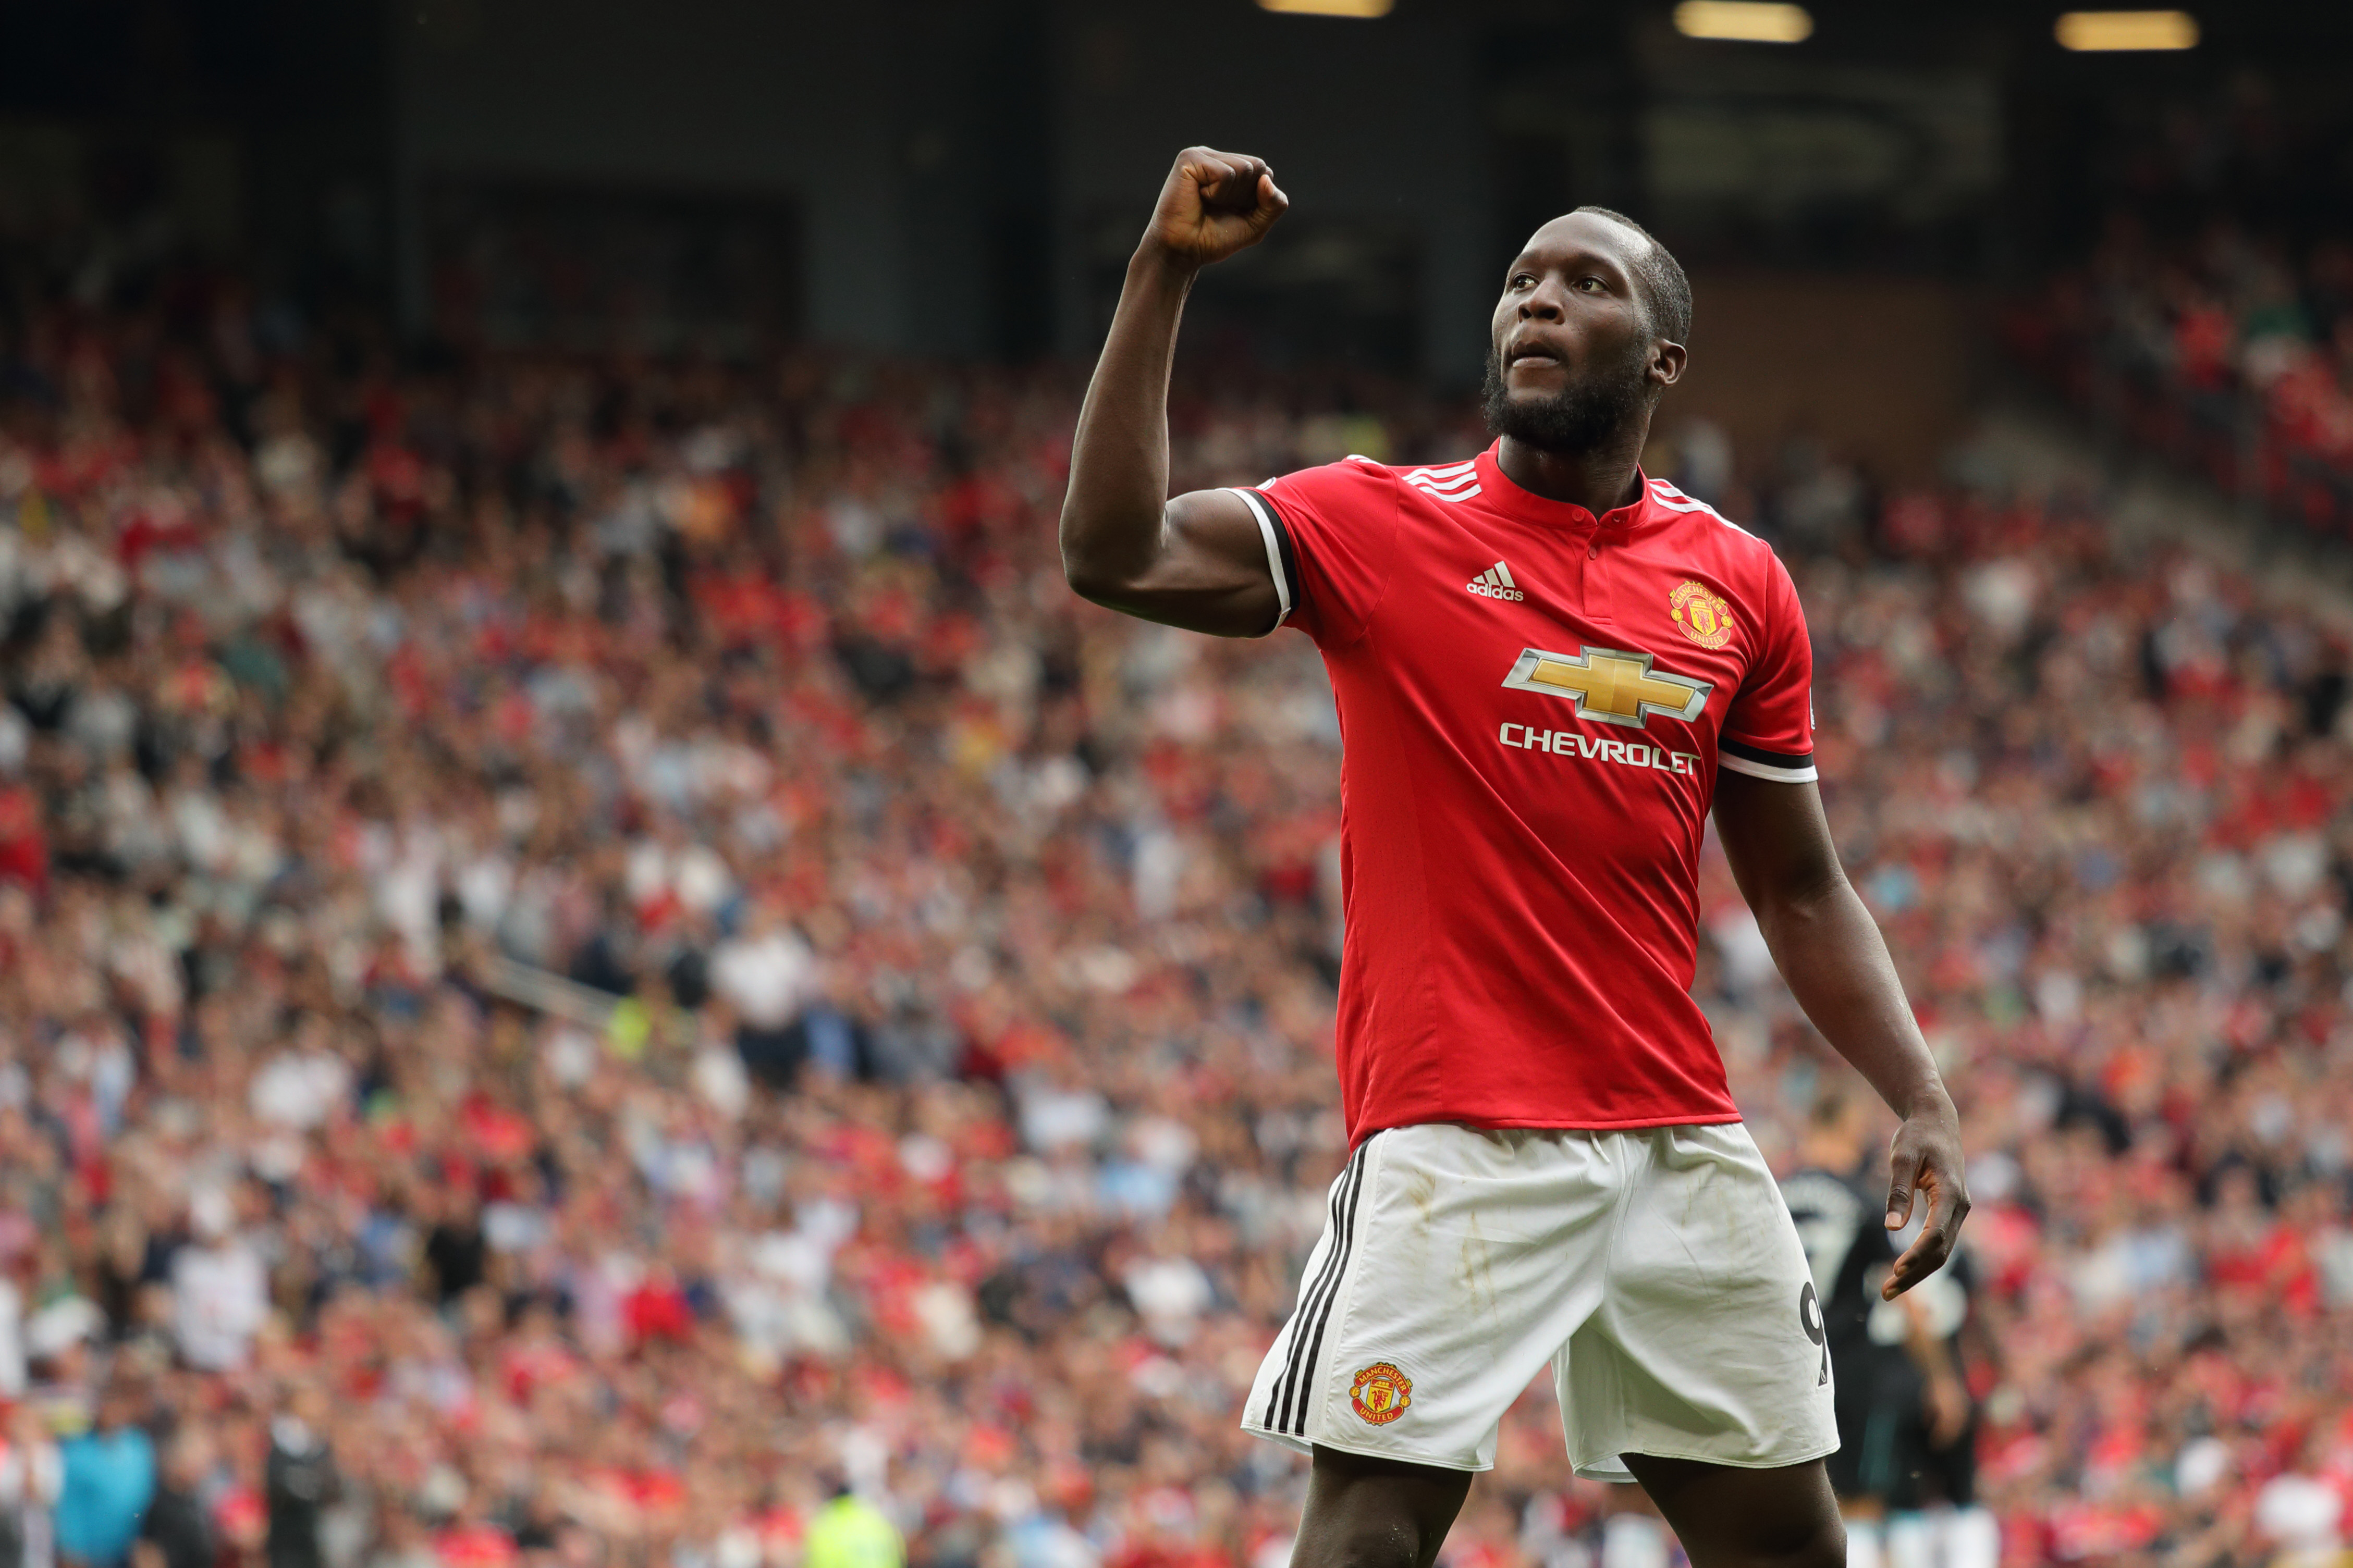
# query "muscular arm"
(1200, 560)
(1829, 951)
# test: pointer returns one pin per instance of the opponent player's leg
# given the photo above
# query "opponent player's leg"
(1370, 1512)
(1729, 1517)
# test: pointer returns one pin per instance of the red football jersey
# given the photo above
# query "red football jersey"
(1533, 706)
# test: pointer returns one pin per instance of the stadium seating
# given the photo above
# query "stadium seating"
(2229, 356)
(619, 923)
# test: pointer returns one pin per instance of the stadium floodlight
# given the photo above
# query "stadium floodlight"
(1744, 21)
(2106, 32)
(1328, 7)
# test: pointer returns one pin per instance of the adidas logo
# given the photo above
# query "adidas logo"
(1496, 582)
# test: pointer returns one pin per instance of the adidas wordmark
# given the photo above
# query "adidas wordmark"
(1496, 582)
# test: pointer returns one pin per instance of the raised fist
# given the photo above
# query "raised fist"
(1213, 205)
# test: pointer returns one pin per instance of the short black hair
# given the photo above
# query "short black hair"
(1668, 291)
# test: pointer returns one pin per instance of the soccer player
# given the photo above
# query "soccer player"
(1549, 667)
(1905, 1472)
(1844, 1249)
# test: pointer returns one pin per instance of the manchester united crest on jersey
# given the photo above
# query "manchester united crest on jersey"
(1381, 1393)
(1705, 618)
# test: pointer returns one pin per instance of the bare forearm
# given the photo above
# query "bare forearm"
(1831, 952)
(1113, 512)
(1199, 560)
(1779, 843)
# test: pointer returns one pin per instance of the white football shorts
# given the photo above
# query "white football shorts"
(1656, 1270)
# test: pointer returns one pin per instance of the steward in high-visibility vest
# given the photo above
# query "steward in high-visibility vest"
(851, 1533)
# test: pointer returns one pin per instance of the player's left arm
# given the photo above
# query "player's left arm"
(1829, 951)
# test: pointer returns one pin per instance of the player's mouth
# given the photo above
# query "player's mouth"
(1529, 354)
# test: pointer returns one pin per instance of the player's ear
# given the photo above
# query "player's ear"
(1666, 363)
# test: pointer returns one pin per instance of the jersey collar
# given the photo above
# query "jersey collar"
(1528, 506)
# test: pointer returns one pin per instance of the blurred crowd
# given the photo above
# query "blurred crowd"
(2205, 309)
(596, 954)
(2232, 352)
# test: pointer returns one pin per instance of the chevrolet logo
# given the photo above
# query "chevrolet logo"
(1614, 687)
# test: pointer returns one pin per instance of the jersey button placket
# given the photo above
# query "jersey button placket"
(1593, 579)
(1592, 552)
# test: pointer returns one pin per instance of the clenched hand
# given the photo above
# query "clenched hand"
(1212, 205)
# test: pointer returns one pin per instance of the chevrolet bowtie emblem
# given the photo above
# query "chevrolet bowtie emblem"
(1614, 687)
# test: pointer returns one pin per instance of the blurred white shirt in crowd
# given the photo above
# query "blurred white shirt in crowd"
(767, 975)
(300, 1089)
(2300, 1512)
(220, 1299)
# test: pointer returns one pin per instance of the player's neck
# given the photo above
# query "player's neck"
(1600, 478)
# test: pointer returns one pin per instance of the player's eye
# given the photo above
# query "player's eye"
(1522, 280)
(1591, 285)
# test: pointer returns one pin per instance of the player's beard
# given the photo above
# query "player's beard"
(1580, 416)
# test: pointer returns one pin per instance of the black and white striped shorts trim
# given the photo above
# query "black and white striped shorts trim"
(1740, 757)
(1288, 1401)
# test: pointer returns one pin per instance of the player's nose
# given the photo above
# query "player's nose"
(1545, 302)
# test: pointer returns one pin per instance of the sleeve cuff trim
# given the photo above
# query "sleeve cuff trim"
(1279, 560)
(1801, 773)
(1760, 755)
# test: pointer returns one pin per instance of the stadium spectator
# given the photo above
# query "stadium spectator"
(32, 1475)
(851, 1533)
(765, 972)
(109, 1479)
(220, 1296)
(300, 1480)
(178, 1530)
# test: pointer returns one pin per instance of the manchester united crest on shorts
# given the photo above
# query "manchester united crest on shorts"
(1381, 1393)
(1705, 618)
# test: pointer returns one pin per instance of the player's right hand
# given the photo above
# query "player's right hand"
(1213, 205)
